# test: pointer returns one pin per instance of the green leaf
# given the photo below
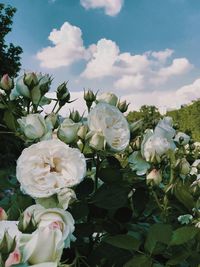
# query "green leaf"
(183, 196)
(110, 196)
(158, 233)
(85, 188)
(2, 106)
(139, 261)
(183, 235)
(178, 258)
(123, 241)
(45, 101)
(110, 175)
(9, 120)
(49, 202)
(79, 210)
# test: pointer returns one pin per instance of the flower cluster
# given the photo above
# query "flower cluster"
(94, 190)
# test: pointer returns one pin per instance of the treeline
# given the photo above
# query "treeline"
(187, 118)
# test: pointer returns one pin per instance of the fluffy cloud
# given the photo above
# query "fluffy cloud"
(130, 82)
(162, 56)
(132, 71)
(104, 59)
(112, 7)
(67, 47)
(179, 66)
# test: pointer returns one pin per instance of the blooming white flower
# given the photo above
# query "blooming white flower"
(46, 167)
(33, 126)
(67, 132)
(157, 143)
(108, 121)
(107, 97)
(164, 128)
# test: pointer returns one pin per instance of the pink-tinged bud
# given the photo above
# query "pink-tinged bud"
(154, 177)
(13, 258)
(6, 83)
(3, 215)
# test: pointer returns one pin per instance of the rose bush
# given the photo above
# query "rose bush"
(92, 190)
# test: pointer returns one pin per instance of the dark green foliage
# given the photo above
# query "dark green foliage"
(9, 53)
(188, 119)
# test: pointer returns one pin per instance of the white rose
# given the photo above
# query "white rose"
(110, 122)
(157, 143)
(43, 245)
(67, 132)
(46, 167)
(155, 146)
(164, 128)
(109, 98)
(57, 218)
(33, 126)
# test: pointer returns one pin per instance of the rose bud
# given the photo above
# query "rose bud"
(6, 83)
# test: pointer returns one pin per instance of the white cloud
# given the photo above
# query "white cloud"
(162, 56)
(131, 71)
(103, 57)
(165, 100)
(126, 71)
(112, 7)
(106, 60)
(179, 66)
(130, 82)
(67, 47)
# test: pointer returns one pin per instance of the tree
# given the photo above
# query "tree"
(9, 54)
(149, 114)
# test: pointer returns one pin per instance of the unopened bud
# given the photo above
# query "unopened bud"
(63, 94)
(154, 177)
(7, 243)
(3, 214)
(89, 98)
(82, 132)
(123, 106)
(97, 141)
(75, 116)
(6, 83)
(30, 79)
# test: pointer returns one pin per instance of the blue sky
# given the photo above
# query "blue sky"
(144, 51)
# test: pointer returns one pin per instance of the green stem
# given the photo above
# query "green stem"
(157, 200)
(59, 108)
(55, 105)
(96, 174)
